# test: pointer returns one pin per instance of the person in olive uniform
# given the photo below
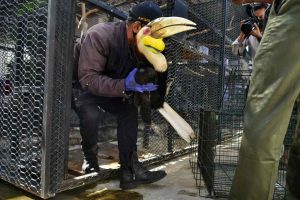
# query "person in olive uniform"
(274, 88)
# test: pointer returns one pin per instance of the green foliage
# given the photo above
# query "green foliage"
(29, 7)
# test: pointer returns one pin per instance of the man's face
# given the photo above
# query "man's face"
(260, 13)
(136, 27)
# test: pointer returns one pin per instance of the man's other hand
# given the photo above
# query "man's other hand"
(132, 85)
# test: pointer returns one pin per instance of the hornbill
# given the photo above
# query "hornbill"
(150, 44)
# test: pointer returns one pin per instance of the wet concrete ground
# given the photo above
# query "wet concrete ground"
(178, 185)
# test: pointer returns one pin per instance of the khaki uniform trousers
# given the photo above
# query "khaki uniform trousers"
(275, 85)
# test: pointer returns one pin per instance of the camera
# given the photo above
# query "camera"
(248, 25)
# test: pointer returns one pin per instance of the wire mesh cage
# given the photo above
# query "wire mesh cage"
(206, 85)
(280, 187)
(35, 64)
(160, 142)
(32, 94)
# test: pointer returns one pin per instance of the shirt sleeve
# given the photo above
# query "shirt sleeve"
(91, 67)
(238, 48)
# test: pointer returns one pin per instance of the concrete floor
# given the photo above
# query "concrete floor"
(178, 185)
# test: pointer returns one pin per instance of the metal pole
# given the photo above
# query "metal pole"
(48, 100)
(109, 9)
(69, 72)
(222, 67)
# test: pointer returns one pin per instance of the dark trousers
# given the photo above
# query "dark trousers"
(87, 108)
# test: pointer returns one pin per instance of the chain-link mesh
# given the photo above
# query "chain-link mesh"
(230, 117)
(23, 30)
(208, 89)
(281, 179)
(161, 140)
(24, 65)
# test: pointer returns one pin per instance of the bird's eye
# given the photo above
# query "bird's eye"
(146, 31)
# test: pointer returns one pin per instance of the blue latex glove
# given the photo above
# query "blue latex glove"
(131, 85)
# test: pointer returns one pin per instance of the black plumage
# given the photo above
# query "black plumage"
(149, 100)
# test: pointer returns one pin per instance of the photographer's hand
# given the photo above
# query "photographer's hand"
(256, 32)
(241, 37)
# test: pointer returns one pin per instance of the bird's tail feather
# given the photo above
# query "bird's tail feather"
(177, 122)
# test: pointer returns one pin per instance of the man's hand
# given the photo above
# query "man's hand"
(256, 32)
(132, 85)
(251, 1)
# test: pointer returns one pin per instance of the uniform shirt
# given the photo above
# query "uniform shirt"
(105, 60)
(239, 49)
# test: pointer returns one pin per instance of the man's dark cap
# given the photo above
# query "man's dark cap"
(145, 12)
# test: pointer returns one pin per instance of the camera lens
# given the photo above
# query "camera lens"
(246, 28)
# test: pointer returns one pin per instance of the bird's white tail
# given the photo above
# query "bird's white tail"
(183, 129)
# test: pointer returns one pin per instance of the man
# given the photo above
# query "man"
(106, 72)
(274, 87)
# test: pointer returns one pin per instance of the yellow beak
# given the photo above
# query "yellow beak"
(154, 45)
(167, 26)
(151, 45)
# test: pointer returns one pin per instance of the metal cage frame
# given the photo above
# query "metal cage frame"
(201, 58)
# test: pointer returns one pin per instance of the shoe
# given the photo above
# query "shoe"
(90, 162)
(89, 166)
(134, 174)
